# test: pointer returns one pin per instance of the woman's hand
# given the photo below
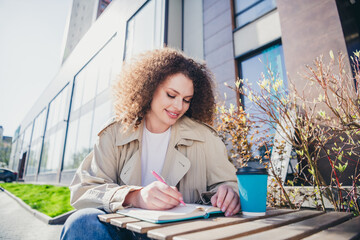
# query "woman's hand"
(227, 200)
(156, 195)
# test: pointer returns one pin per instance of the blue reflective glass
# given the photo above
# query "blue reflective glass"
(248, 11)
(241, 5)
(252, 70)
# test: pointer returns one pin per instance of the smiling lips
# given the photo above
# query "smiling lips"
(172, 114)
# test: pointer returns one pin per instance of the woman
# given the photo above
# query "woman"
(164, 102)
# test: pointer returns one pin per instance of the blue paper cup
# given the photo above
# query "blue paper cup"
(252, 184)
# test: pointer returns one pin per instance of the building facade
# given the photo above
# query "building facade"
(230, 35)
(5, 148)
(83, 15)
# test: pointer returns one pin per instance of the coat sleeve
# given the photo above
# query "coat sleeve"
(95, 181)
(219, 170)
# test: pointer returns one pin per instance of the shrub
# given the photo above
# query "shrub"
(321, 131)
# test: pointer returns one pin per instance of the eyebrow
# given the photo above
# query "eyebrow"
(179, 93)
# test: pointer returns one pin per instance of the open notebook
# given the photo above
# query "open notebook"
(178, 213)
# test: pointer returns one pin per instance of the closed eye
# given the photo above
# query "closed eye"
(170, 96)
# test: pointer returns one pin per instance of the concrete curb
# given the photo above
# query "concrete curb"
(43, 217)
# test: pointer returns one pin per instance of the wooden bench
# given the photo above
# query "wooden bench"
(277, 224)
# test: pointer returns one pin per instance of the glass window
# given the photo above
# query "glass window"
(251, 69)
(58, 109)
(12, 160)
(78, 149)
(78, 92)
(47, 152)
(71, 140)
(247, 11)
(350, 22)
(15, 153)
(55, 131)
(102, 5)
(36, 143)
(241, 5)
(104, 76)
(32, 161)
(12, 154)
(101, 116)
(82, 134)
(25, 137)
(26, 140)
(145, 29)
(83, 139)
(84, 131)
(90, 81)
(52, 151)
(105, 64)
(95, 77)
(85, 121)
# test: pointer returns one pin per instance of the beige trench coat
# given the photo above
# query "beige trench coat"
(196, 162)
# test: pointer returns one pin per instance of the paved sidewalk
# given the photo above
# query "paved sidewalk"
(17, 223)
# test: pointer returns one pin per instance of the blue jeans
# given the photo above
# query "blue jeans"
(84, 224)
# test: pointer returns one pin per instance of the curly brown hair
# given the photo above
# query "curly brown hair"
(139, 78)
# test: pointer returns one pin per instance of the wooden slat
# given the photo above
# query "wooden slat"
(144, 227)
(121, 222)
(204, 224)
(246, 228)
(302, 229)
(347, 230)
(107, 217)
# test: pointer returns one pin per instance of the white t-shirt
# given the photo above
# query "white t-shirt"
(153, 152)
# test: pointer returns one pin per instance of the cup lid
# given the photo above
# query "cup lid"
(250, 170)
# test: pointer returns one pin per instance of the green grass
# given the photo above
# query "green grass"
(48, 199)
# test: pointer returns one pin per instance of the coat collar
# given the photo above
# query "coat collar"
(130, 135)
(185, 127)
(176, 165)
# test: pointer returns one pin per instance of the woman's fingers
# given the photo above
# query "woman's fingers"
(221, 194)
(233, 207)
(236, 209)
(214, 200)
(227, 200)
(170, 191)
(158, 196)
(160, 204)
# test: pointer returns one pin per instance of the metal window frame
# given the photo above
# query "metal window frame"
(250, 54)
(254, 20)
(72, 84)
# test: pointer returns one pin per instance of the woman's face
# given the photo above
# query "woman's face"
(170, 101)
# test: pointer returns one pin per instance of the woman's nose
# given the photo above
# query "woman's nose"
(178, 104)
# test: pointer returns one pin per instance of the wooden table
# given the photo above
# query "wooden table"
(277, 224)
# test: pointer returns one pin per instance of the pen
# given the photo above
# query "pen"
(161, 179)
